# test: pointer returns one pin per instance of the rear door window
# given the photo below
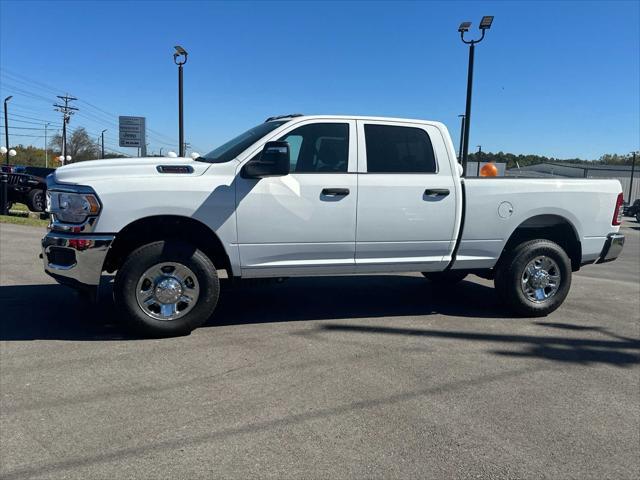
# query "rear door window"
(396, 149)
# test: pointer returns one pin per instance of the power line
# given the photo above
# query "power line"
(155, 135)
(31, 122)
(98, 115)
(25, 135)
(22, 78)
(24, 128)
(159, 136)
(28, 110)
(27, 93)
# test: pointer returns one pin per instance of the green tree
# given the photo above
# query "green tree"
(34, 157)
(79, 145)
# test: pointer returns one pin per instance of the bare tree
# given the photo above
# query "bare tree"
(79, 145)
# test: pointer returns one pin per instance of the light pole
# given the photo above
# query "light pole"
(633, 169)
(180, 52)
(479, 155)
(46, 151)
(5, 175)
(461, 138)
(485, 24)
(102, 141)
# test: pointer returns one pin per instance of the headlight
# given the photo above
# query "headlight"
(72, 207)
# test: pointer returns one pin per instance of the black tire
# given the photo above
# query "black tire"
(450, 277)
(638, 217)
(510, 271)
(145, 257)
(36, 200)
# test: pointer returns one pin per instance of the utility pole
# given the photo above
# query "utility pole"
(46, 151)
(66, 111)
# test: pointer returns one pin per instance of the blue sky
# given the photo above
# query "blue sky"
(559, 79)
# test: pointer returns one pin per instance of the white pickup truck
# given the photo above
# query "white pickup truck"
(318, 195)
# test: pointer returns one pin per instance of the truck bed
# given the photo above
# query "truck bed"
(495, 207)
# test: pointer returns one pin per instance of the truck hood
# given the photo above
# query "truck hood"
(81, 172)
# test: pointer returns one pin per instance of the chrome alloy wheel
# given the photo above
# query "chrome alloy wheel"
(167, 291)
(541, 279)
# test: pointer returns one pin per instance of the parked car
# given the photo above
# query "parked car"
(28, 187)
(12, 168)
(319, 195)
(631, 210)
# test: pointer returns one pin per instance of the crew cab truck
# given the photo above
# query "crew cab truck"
(318, 195)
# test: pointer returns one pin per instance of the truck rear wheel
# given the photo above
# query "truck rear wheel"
(166, 288)
(534, 278)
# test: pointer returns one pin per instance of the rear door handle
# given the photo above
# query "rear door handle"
(436, 192)
(335, 192)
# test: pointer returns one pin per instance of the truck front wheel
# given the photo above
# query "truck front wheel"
(166, 288)
(534, 278)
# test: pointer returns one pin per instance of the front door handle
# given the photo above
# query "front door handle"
(436, 192)
(335, 192)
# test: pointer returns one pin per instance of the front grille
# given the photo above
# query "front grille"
(64, 257)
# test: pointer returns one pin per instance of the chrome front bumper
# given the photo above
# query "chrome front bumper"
(612, 248)
(75, 260)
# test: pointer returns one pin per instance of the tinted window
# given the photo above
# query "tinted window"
(319, 147)
(398, 150)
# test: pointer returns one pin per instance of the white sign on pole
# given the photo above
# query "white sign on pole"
(132, 132)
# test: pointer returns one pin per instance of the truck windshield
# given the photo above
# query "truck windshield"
(237, 145)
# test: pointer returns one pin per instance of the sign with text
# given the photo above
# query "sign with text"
(132, 131)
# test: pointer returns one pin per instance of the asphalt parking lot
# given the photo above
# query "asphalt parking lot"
(376, 377)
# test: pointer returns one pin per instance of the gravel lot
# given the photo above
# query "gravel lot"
(377, 377)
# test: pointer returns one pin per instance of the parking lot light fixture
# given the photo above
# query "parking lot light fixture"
(464, 27)
(485, 24)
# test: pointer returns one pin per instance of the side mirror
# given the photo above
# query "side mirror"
(273, 162)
